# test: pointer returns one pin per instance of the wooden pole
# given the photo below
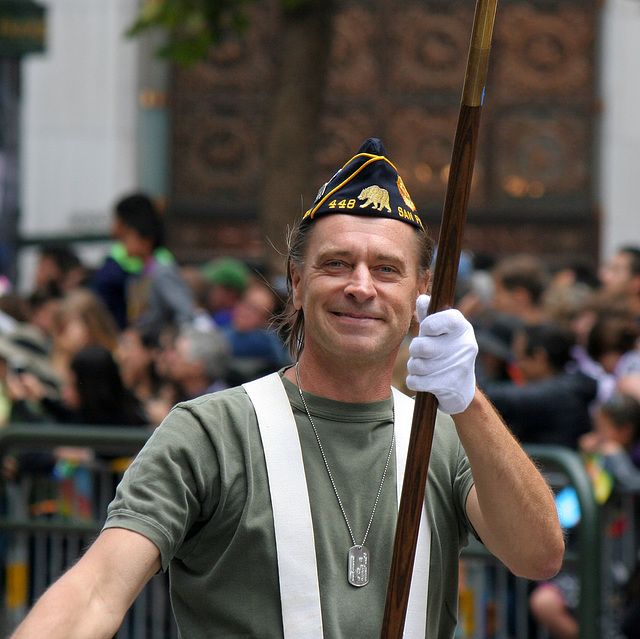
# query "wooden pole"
(442, 297)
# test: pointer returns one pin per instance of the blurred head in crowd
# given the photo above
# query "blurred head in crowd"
(94, 389)
(135, 356)
(620, 276)
(138, 226)
(42, 305)
(228, 278)
(612, 335)
(542, 350)
(197, 360)
(255, 309)
(60, 265)
(618, 420)
(82, 319)
(519, 284)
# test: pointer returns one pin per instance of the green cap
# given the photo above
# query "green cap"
(229, 272)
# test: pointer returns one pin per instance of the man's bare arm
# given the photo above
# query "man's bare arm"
(510, 506)
(90, 600)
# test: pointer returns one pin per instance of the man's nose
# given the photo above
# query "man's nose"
(361, 284)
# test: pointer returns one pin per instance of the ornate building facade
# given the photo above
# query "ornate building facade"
(395, 70)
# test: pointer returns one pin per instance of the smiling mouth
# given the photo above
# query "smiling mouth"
(357, 317)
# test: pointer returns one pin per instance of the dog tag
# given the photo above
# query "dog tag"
(358, 566)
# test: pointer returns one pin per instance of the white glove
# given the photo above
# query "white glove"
(443, 358)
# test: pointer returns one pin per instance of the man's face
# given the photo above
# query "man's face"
(616, 276)
(358, 287)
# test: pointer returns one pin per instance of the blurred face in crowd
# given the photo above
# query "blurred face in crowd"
(182, 366)
(617, 278)
(221, 297)
(508, 300)
(134, 358)
(44, 316)
(534, 366)
(358, 287)
(72, 334)
(254, 309)
(608, 430)
(47, 271)
(134, 243)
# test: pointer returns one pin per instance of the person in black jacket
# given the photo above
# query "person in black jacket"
(552, 406)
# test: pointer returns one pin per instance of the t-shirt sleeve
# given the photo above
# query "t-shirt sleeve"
(459, 470)
(173, 482)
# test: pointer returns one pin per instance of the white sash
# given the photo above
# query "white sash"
(295, 543)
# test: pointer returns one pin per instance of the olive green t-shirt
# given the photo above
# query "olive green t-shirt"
(199, 491)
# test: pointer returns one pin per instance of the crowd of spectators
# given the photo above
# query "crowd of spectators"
(122, 343)
(559, 356)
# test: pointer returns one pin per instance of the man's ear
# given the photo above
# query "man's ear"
(296, 287)
(423, 286)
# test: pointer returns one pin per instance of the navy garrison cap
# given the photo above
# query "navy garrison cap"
(368, 184)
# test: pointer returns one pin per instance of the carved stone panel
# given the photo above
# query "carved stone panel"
(395, 71)
(541, 156)
(544, 52)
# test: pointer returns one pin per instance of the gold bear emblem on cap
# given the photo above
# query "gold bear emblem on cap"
(375, 196)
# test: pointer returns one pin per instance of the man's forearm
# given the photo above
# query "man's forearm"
(92, 598)
(69, 610)
(511, 505)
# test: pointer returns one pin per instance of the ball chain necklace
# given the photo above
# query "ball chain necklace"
(359, 559)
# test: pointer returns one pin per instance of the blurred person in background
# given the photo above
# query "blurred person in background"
(42, 307)
(110, 280)
(59, 264)
(620, 277)
(228, 279)
(157, 295)
(255, 346)
(138, 356)
(571, 287)
(520, 282)
(616, 437)
(198, 362)
(612, 343)
(94, 392)
(612, 455)
(26, 375)
(81, 319)
(552, 406)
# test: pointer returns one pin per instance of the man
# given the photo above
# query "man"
(552, 406)
(284, 528)
(620, 277)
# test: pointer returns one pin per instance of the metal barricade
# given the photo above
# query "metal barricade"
(48, 519)
(603, 549)
(38, 544)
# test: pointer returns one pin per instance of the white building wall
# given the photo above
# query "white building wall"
(79, 101)
(620, 127)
